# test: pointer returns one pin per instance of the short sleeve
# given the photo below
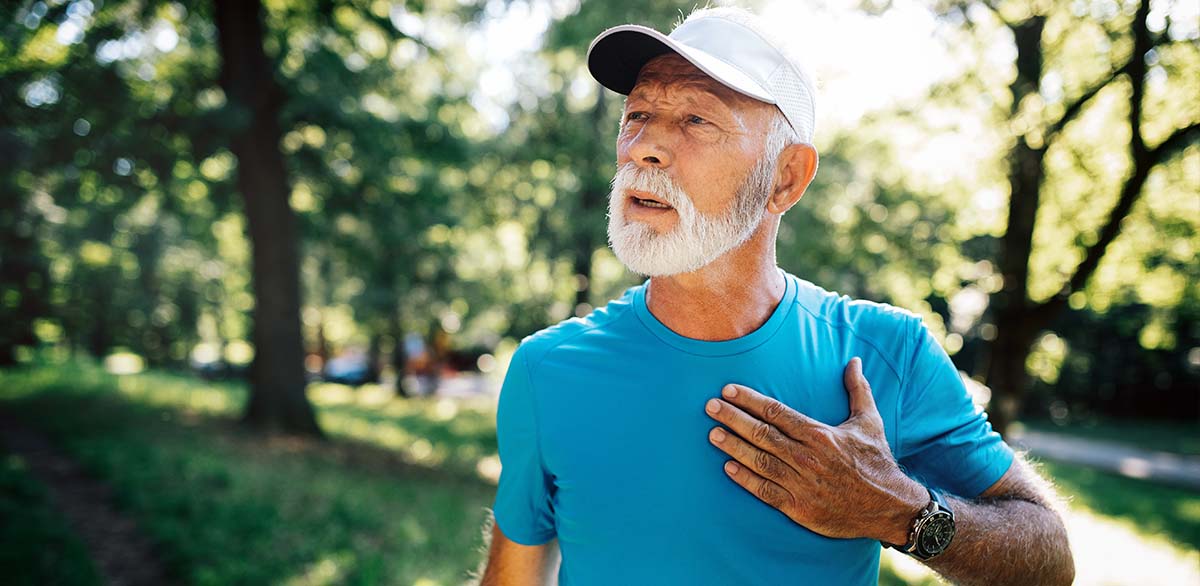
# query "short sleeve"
(523, 506)
(944, 441)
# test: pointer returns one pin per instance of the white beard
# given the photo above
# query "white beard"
(696, 239)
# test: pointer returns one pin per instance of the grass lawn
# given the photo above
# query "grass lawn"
(230, 508)
(398, 497)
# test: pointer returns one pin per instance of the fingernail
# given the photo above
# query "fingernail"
(731, 467)
(718, 435)
(713, 406)
(729, 391)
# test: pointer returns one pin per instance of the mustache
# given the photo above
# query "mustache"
(650, 180)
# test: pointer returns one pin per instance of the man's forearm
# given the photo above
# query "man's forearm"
(1006, 541)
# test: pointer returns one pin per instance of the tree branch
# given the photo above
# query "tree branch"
(1137, 79)
(1129, 196)
(1073, 110)
(1143, 162)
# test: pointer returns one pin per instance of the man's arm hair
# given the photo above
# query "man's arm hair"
(509, 563)
(1012, 534)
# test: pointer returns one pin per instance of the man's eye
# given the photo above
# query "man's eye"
(696, 120)
(636, 116)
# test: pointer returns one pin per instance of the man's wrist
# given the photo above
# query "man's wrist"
(910, 499)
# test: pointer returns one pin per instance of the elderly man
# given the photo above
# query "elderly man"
(715, 424)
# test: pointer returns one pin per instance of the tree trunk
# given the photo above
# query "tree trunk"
(1006, 370)
(322, 342)
(325, 299)
(21, 272)
(374, 351)
(1018, 320)
(148, 251)
(583, 276)
(99, 341)
(21, 261)
(277, 388)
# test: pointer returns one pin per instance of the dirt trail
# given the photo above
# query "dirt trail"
(124, 556)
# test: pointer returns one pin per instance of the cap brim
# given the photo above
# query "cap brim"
(618, 54)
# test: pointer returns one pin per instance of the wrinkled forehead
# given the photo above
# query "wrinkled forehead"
(670, 71)
(670, 67)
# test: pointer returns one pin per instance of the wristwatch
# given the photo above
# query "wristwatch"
(932, 529)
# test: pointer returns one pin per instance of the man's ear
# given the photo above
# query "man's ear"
(796, 169)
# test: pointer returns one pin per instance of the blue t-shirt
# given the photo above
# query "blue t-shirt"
(604, 440)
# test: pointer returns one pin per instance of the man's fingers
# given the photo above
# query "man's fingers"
(788, 420)
(766, 491)
(861, 399)
(762, 462)
(757, 432)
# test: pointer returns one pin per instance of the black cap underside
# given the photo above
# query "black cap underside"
(617, 59)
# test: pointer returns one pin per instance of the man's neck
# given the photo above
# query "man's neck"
(727, 299)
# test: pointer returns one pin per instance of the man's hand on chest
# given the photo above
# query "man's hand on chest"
(837, 481)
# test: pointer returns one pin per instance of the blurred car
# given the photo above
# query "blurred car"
(351, 368)
(218, 369)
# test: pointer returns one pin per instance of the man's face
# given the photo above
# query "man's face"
(691, 181)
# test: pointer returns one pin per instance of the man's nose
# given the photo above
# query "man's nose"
(648, 148)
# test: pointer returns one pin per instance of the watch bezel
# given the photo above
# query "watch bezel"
(935, 513)
(931, 526)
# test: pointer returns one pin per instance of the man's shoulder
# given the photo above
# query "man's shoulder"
(535, 346)
(887, 329)
(861, 315)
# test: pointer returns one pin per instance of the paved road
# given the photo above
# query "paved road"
(1123, 459)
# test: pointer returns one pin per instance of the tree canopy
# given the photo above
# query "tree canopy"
(375, 179)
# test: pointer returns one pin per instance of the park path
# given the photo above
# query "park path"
(123, 555)
(1123, 459)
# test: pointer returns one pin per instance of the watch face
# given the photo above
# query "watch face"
(937, 533)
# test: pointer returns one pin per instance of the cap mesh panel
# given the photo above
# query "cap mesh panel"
(794, 99)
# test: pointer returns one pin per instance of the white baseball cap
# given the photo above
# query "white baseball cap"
(729, 52)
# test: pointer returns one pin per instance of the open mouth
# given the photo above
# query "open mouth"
(646, 200)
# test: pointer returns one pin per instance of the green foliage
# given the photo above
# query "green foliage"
(120, 229)
(558, 155)
(125, 145)
(114, 128)
(1115, 365)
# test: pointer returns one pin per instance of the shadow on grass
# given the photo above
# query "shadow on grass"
(458, 443)
(36, 546)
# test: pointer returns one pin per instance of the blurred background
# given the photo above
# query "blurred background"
(263, 263)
